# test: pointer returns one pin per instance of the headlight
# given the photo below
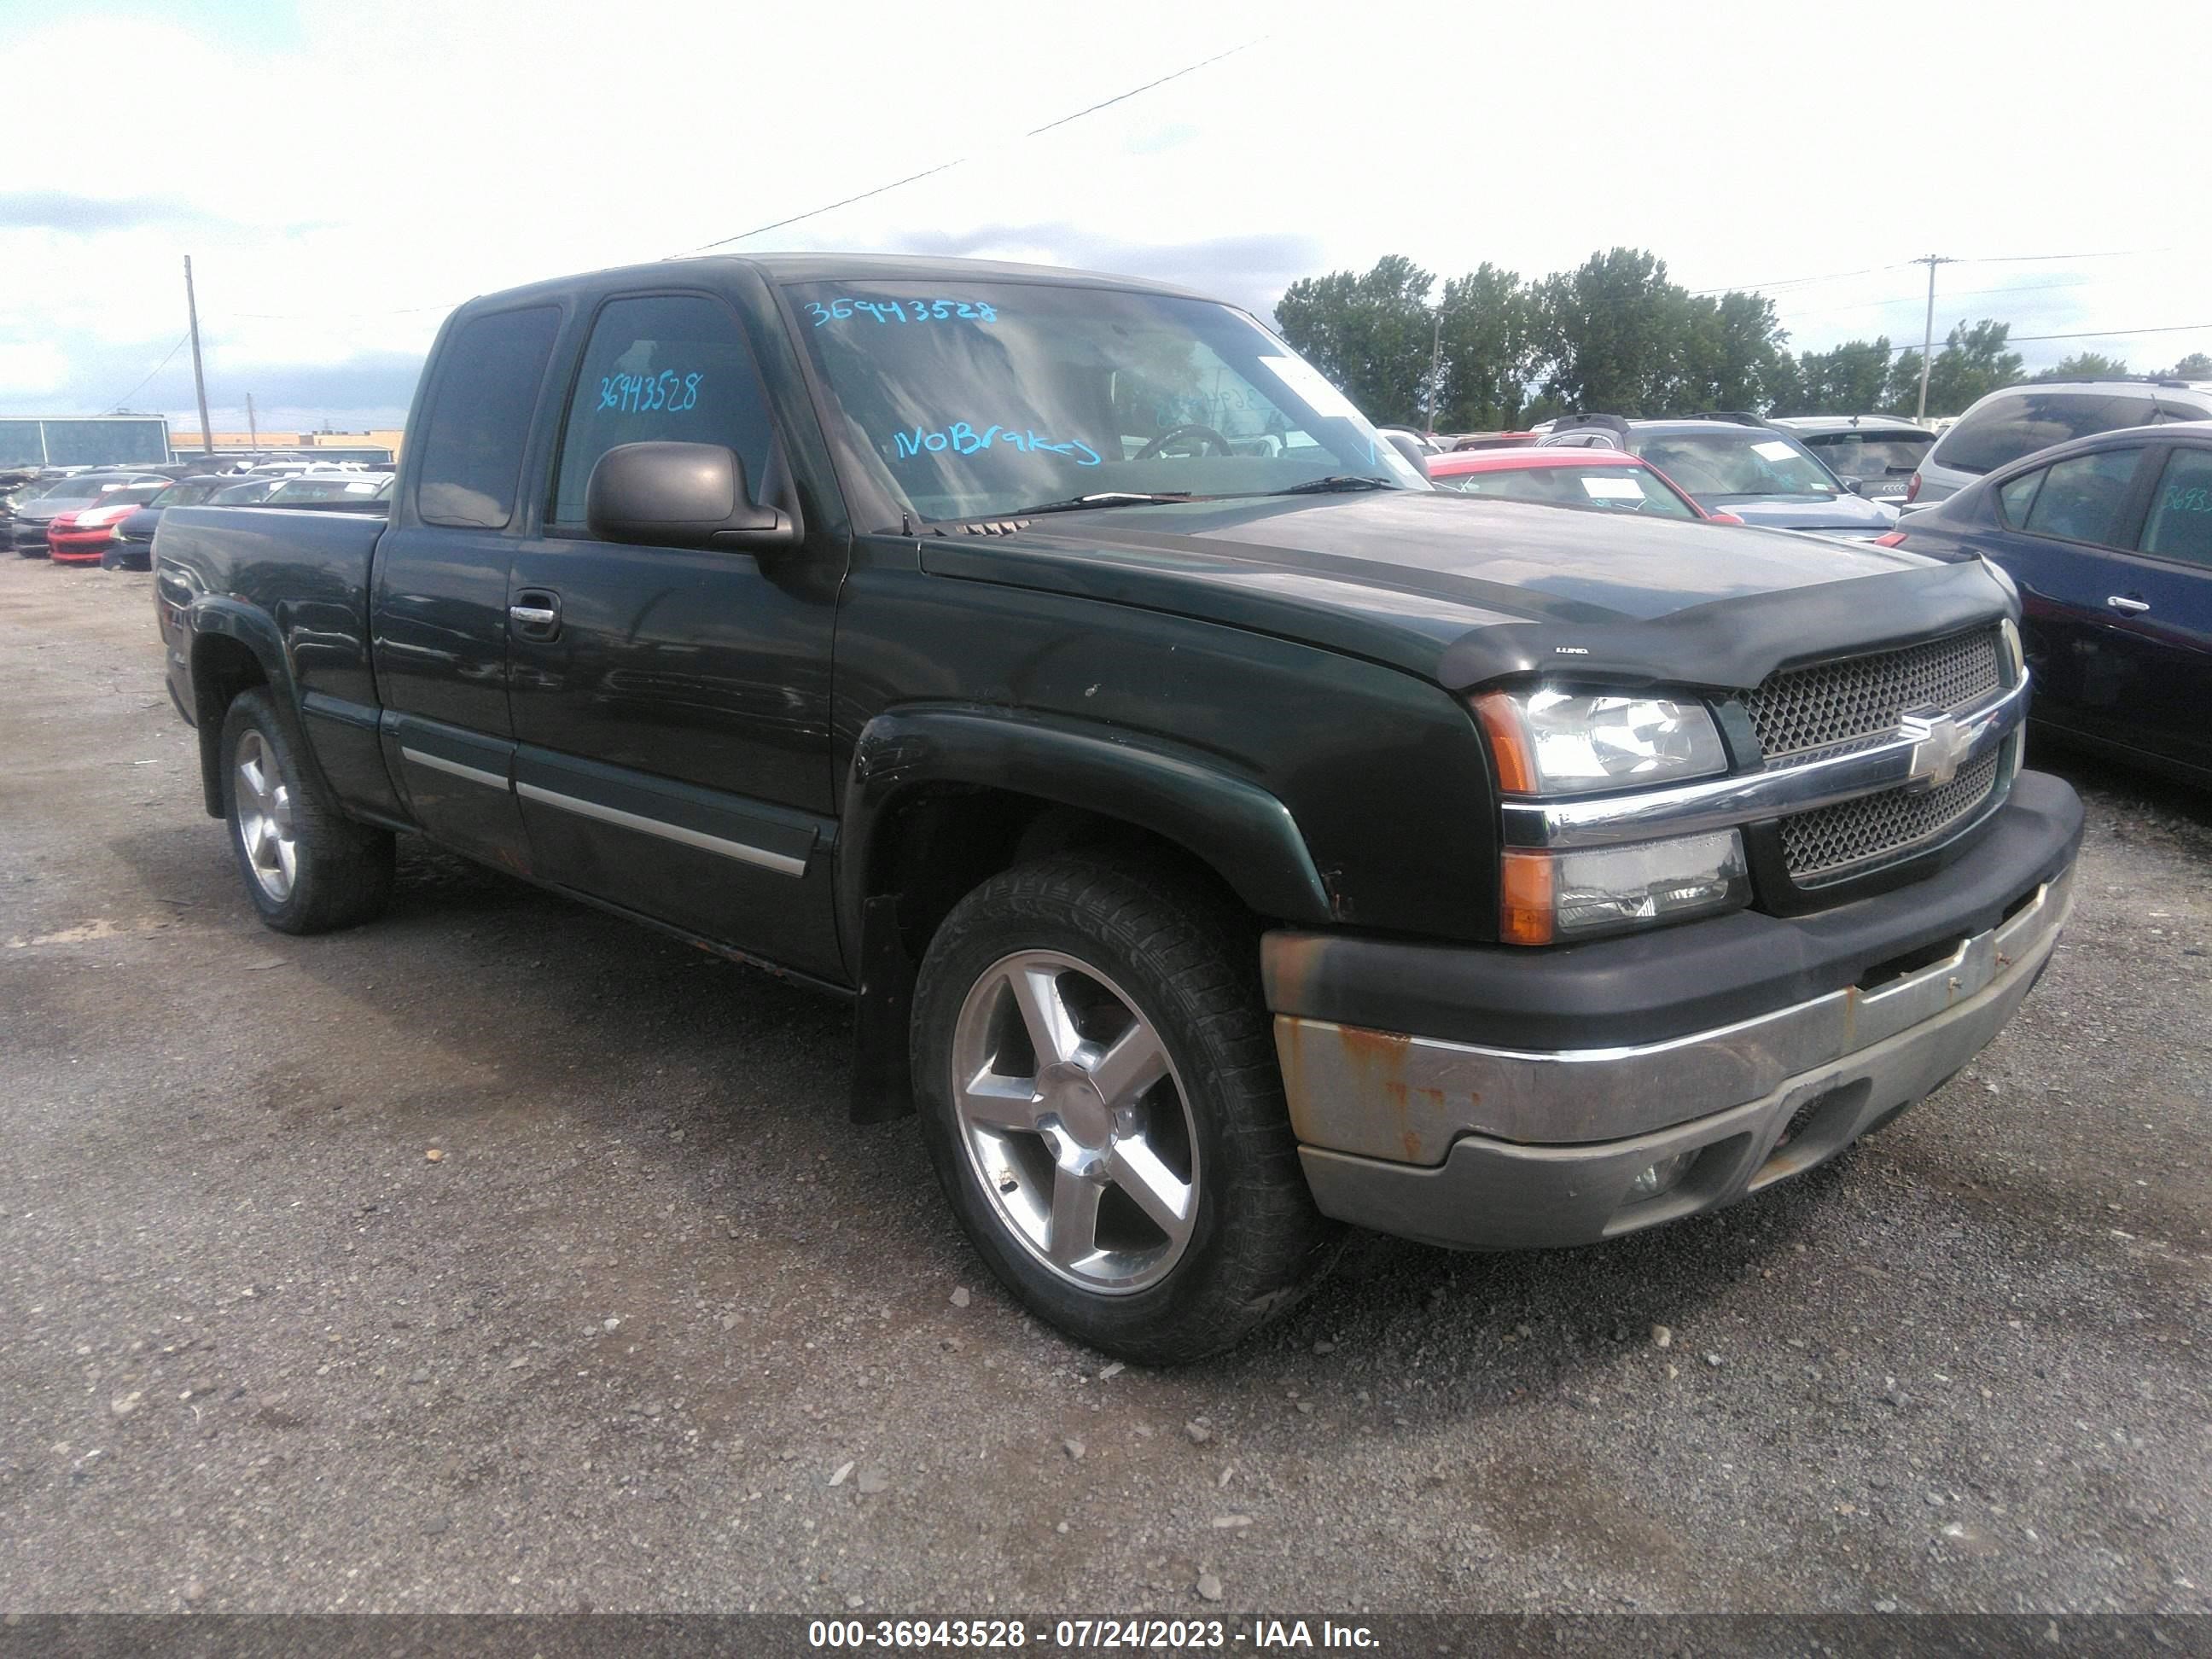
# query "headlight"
(1549, 742)
(1555, 897)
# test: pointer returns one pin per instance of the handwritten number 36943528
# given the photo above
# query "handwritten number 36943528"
(635, 394)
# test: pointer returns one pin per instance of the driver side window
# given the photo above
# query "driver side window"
(662, 367)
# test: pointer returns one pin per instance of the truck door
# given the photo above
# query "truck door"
(440, 601)
(671, 706)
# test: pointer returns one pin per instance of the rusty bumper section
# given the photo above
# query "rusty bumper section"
(1493, 1148)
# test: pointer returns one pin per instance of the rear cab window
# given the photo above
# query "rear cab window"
(478, 424)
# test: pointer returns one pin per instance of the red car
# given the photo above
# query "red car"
(80, 537)
(1605, 481)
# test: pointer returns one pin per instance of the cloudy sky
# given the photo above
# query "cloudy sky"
(342, 175)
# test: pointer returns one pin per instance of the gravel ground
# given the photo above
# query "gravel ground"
(655, 1328)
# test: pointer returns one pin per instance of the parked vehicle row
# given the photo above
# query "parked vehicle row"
(1739, 465)
(109, 518)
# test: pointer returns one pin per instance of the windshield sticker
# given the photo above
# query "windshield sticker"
(1303, 378)
(962, 439)
(1611, 490)
(1775, 450)
(640, 394)
(896, 311)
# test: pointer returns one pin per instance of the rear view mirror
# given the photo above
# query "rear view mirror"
(679, 494)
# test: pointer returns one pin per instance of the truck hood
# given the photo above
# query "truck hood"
(1463, 591)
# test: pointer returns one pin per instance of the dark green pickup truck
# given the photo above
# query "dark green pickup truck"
(1221, 835)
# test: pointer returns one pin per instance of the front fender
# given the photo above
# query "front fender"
(1238, 830)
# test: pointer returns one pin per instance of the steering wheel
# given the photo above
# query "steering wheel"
(1154, 450)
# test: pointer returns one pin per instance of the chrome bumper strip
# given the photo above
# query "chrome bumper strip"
(1721, 803)
(1385, 1095)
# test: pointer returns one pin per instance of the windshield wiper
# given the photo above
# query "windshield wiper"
(1103, 498)
(1334, 482)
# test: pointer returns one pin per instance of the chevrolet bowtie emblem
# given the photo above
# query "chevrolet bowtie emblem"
(1939, 745)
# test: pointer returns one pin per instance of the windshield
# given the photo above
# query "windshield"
(1871, 454)
(85, 489)
(979, 399)
(1603, 488)
(1743, 462)
(240, 495)
(183, 494)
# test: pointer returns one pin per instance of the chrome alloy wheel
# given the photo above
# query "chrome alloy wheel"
(1075, 1121)
(264, 815)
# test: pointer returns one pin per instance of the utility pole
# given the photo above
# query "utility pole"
(1436, 365)
(199, 379)
(253, 432)
(1928, 330)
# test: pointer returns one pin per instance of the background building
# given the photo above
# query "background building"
(382, 445)
(83, 441)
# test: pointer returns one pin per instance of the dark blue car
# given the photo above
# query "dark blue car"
(2110, 540)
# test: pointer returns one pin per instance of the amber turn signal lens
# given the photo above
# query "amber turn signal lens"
(1509, 742)
(1524, 898)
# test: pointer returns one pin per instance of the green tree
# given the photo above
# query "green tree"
(2085, 365)
(2195, 367)
(1609, 334)
(1370, 332)
(1488, 351)
(1973, 363)
(1844, 380)
(1730, 355)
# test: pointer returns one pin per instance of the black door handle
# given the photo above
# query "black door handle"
(534, 613)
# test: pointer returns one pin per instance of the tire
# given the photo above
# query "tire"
(1187, 1219)
(306, 867)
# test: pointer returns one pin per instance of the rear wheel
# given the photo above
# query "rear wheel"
(1102, 1104)
(308, 868)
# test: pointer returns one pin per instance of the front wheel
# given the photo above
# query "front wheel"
(1100, 1101)
(306, 867)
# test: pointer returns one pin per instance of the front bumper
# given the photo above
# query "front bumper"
(73, 549)
(1493, 1147)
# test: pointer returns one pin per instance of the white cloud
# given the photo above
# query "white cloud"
(339, 190)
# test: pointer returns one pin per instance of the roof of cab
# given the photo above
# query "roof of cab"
(782, 268)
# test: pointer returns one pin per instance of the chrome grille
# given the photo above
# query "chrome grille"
(1802, 709)
(1828, 841)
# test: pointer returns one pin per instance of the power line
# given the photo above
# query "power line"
(2027, 339)
(958, 160)
(1871, 271)
(1963, 294)
(119, 403)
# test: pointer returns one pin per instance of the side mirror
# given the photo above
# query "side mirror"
(677, 494)
(1412, 451)
(1723, 517)
(1855, 486)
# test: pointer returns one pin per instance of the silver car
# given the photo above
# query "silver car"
(2022, 419)
(1881, 451)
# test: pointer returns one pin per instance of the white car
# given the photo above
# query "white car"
(2022, 419)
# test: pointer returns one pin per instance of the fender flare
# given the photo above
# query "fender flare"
(1231, 823)
(255, 629)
